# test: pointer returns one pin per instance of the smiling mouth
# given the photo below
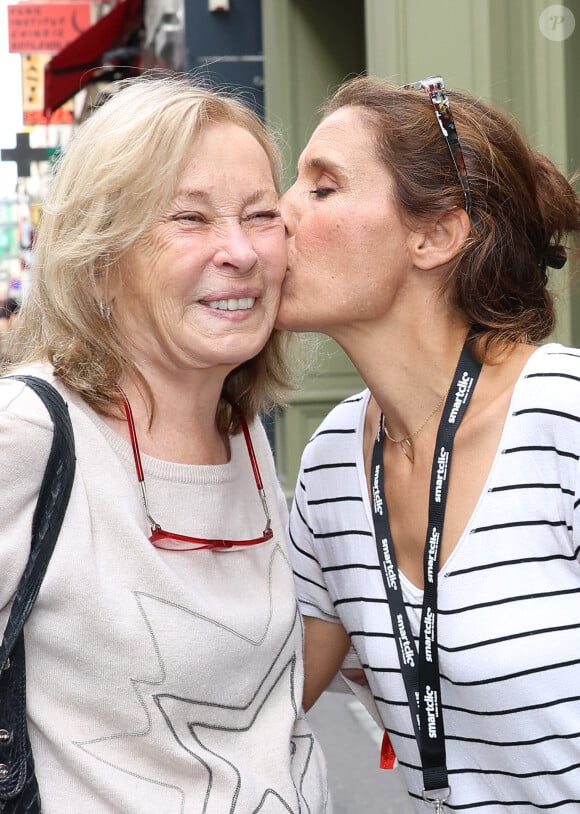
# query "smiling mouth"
(241, 304)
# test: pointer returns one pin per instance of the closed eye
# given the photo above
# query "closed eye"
(189, 217)
(268, 214)
(322, 192)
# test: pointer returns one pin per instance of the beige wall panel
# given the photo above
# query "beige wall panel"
(411, 39)
(496, 49)
(329, 382)
(310, 46)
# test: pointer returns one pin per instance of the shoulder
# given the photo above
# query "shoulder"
(26, 433)
(18, 401)
(260, 439)
(26, 426)
(546, 401)
(262, 449)
(342, 426)
(267, 468)
(554, 358)
(552, 376)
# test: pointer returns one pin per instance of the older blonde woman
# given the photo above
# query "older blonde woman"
(164, 652)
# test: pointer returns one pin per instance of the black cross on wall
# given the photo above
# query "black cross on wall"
(24, 154)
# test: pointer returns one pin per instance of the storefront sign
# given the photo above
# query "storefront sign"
(45, 27)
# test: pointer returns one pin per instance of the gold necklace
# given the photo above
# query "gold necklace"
(406, 443)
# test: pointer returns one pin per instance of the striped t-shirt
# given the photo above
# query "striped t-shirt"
(509, 598)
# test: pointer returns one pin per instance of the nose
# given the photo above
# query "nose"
(235, 250)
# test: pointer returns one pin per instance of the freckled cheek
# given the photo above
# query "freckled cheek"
(326, 244)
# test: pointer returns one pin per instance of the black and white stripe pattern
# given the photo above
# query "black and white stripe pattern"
(509, 598)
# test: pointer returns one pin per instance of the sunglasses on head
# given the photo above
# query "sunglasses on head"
(434, 86)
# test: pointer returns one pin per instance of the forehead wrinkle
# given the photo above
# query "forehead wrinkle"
(204, 196)
(259, 194)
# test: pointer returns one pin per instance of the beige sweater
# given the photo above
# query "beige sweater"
(158, 682)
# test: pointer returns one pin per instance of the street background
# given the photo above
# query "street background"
(352, 741)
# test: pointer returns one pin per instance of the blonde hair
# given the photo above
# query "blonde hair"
(119, 171)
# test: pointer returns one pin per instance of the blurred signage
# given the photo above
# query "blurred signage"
(45, 27)
(33, 93)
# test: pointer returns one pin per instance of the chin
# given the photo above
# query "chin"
(249, 351)
(293, 322)
(287, 319)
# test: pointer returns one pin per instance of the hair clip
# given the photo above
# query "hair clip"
(555, 257)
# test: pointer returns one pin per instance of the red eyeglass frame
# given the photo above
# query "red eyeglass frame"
(183, 542)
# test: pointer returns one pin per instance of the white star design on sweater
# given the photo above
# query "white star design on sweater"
(213, 725)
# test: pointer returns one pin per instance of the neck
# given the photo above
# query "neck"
(408, 371)
(183, 428)
(406, 443)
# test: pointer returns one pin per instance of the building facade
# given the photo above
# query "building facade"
(523, 55)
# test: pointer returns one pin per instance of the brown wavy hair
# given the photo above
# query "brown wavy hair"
(522, 205)
(119, 171)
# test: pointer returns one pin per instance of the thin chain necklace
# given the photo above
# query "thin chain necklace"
(406, 443)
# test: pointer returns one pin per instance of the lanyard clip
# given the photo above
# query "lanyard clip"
(437, 797)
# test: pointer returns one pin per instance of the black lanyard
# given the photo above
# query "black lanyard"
(420, 670)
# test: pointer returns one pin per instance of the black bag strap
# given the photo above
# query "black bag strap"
(46, 524)
(49, 513)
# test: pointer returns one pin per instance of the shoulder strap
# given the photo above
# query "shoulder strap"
(49, 513)
(18, 785)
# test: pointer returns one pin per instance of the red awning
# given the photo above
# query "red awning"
(81, 61)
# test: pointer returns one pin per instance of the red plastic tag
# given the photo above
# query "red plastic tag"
(388, 756)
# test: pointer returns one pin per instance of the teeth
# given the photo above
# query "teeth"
(243, 304)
